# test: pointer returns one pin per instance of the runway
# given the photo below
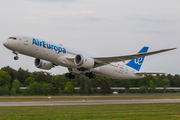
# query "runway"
(76, 103)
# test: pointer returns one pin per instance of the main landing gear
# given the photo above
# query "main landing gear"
(70, 76)
(16, 57)
(90, 75)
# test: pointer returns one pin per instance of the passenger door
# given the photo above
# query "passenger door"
(25, 41)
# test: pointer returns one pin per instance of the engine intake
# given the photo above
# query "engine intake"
(42, 64)
(84, 61)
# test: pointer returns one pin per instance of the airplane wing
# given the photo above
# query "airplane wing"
(107, 60)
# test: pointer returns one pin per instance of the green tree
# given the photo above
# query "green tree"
(46, 89)
(4, 90)
(89, 87)
(55, 87)
(69, 88)
(41, 88)
(152, 86)
(22, 75)
(28, 81)
(42, 76)
(170, 78)
(94, 86)
(142, 89)
(85, 84)
(83, 87)
(127, 84)
(16, 84)
(13, 91)
(177, 80)
(99, 79)
(117, 83)
(105, 87)
(147, 80)
(5, 79)
(59, 80)
(165, 83)
(33, 88)
(11, 71)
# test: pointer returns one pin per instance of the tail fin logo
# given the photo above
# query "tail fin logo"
(138, 61)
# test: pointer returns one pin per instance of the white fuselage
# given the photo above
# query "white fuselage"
(61, 55)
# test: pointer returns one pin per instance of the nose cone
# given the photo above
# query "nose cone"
(6, 43)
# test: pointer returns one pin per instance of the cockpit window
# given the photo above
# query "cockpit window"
(14, 38)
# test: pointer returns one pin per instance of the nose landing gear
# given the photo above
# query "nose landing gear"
(16, 57)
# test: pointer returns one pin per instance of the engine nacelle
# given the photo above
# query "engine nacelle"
(84, 61)
(42, 64)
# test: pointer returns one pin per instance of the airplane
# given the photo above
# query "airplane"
(48, 55)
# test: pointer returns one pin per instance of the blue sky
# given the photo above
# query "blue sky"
(99, 27)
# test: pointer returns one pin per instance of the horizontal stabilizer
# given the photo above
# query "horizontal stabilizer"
(148, 73)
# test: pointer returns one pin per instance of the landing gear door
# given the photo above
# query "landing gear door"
(25, 41)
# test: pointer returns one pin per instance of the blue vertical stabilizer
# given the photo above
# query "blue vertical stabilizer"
(136, 63)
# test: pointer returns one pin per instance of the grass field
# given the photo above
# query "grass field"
(96, 112)
(80, 98)
(99, 112)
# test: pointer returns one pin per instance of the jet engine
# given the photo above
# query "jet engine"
(84, 61)
(42, 64)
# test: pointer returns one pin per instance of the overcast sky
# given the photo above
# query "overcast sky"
(99, 27)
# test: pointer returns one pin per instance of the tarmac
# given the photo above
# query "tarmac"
(78, 103)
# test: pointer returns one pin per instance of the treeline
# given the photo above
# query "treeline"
(43, 83)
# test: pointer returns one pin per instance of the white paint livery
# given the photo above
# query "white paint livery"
(49, 54)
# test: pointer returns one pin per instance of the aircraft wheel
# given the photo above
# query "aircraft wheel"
(67, 74)
(93, 76)
(73, 76)
(70, 76)
(16, 58)
(87, 74)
